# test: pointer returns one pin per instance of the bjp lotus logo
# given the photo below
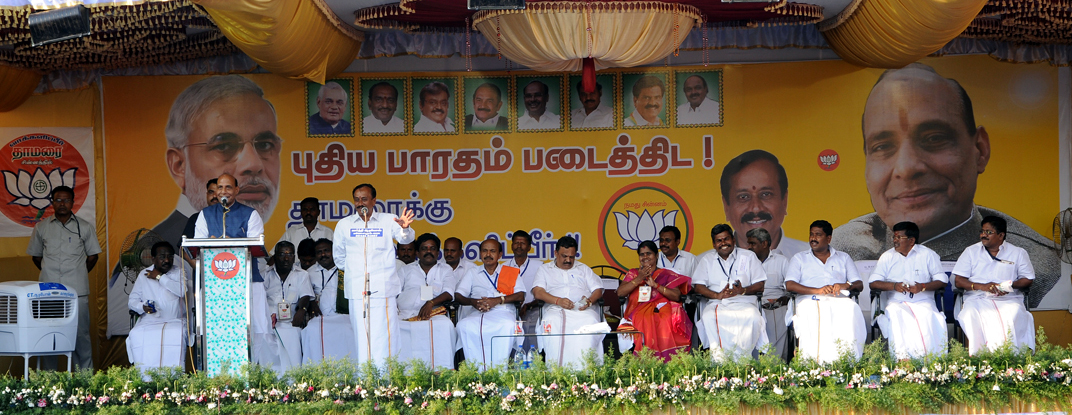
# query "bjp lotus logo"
(225, 265)
(636, 213)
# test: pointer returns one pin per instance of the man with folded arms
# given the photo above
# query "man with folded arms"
(329, 335)
(454, 257)
(568, 289)
(159, 337)
(489, 290)
(775, 298)
(289, 293)
(731, 324)
(426, 328)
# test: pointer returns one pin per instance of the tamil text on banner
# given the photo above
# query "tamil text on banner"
(36, 160)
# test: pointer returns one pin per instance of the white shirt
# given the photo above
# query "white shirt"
(920, 266)
(478, 283)
(775, 267)
(684, 263)
(298, 232)
(290, 291)
(463, 268)
(717, 273)
(789, 246)
(325, 286)
(372, 125)
(527, 274)
(601, 117)
(361, 247)
(254, 226)
(1011, 264)
(572, 283)
(547, 121)
(706, 113)
(807, 270)
(491, 123)
(635, 120)
(426, 125)
(167, 294)
(440, 277)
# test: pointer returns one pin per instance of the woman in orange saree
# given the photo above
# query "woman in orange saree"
(660, 316)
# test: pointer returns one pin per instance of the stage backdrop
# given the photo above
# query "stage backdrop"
(35, 160)
(490, 153)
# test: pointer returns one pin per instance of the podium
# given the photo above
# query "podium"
(224, 271)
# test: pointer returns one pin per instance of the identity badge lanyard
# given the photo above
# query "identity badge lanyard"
(728, 274)
(495, 282)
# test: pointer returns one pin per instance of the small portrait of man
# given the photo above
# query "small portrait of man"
(433, 100)
(539, 101)
(329, 105)
(699, 95)
(381, 112)
(755, 194)
(592, 110)
(644, 100)
(484, 110)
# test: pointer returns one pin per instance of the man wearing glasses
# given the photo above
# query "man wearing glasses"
(64, 247)
(993, 274)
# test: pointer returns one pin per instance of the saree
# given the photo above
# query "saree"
(666, 327)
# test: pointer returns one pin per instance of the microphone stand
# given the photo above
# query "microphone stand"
(226, 209)
(366, 293)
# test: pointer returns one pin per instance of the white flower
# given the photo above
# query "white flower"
(777, 390)
(996, 387)
(36, 190)
(635, 229)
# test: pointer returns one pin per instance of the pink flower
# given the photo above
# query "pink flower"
(376, 407)
(424, 404)
(338, 401)
(41, 403)
(310, 389)
(286, 397)
(409, 401)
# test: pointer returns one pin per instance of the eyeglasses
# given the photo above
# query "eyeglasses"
(899, 237)
(226, 147)
(987, 232)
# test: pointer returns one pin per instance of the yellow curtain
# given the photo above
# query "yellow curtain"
(894, 33)
(16, 85)
(298, 39)
(555, 36)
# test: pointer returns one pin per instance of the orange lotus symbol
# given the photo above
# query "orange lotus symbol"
(225, 265)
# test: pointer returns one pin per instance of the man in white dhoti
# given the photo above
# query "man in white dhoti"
(520, 245)
(454, 256)
(671, 257)
(909, 274)
(775, 298)
(159, 337)
(424, 322)
(490, 291)
(364, 249)
(329, 334)
(827, 321)
(730, 322)
(994, 274)
(289, 293)
(568, 290)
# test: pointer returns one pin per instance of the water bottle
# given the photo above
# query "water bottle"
(519, 358)
(530, 356)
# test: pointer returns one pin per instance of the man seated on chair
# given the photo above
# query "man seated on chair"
(427, 285)
(672, 258)
(568, 289)
(289, 292)
(159, 337)
(454, 256)
(910, 274)
(489, 290)
(730, 323)
(827, 321)
(307, 253)
(330, 334)
(775, 298)
(994, 275)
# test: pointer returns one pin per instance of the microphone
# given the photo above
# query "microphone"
(363, 211)
(224, 199)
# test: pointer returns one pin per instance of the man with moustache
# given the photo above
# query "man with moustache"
(592, 113)
(520, 245)
(364, 245)
(454, 256)
(425, 325)
(698, 108)
(210, 197)
(774, 298)
(755, 194)
(310, 228)
(992, 274)
(672, 258)
(568, 289)
(159, 337)
(382, 103)
(490, 293)
(924, 155)
(331, 102)
(825, 315)
(536, 117)
(648, 94)
(487, 101)
(730, 323)
(289, 293)
(406, 253)
(908, 275)
(434, 104)
(330, 334)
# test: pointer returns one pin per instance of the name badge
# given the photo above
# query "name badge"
(426, 292)
(645, 294)
(518, 328)
(547, 328)
(283, 311)
(366, 232)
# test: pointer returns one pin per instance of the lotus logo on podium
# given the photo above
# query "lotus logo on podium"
(225, 265)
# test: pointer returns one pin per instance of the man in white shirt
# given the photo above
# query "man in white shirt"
(289, 293)
(382, 103)
(909, 274)
(491, 293)
(363, 249)
(993, 274)
(330, 334)
(730, 323)
(159, 337)
(672, 258)
(454, 256)
(775, 298)
(435, 107)
(520, 245)
(649, 92)
(568, 289)
(536, 117)
(310, 228)
(427, 286)
(592, 113)
(698, 108)
(825, 315)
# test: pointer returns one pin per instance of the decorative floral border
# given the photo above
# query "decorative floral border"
(415, 107)
(563, 109)
(721, 101)
(507, 101)
(668, 97)
(350, 98)
(404, 105)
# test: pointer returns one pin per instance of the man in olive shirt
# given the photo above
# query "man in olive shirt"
(67, 263)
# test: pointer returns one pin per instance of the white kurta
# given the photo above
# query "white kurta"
(158, 339)
(476, 331)
(548, 121)
(731, 327)
(371, 124)
(289, 349)
(575, 284)
(826, 325)
(706, 113)
(684, 263)
(426, 125)
(912, 324)
(601, 117)
(637, 120)
(327, 336)
(774, 266)
(527, 274)
(459, 274)
(365, 251)
(989, 320)
(325, 287)
(432, 341)
(298, 232)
